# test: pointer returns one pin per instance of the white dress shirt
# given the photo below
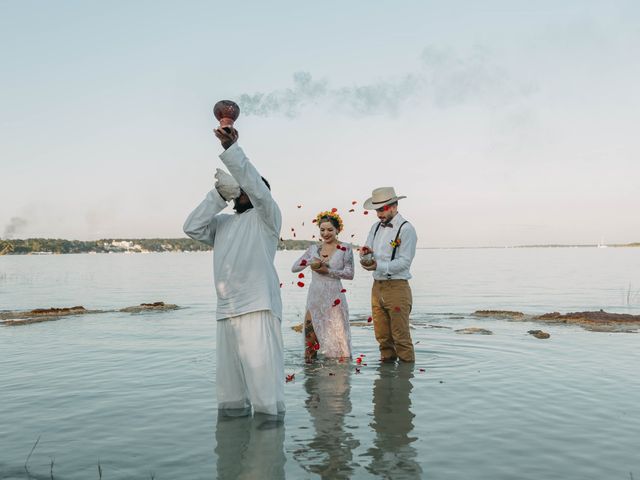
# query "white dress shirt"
(244, 244)
(398, 268)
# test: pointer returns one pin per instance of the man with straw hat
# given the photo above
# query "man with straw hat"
(388, 253)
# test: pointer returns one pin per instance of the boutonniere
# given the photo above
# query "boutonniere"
(395, 243)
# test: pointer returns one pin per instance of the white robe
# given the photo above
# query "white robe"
(250, 361)
(244, 245)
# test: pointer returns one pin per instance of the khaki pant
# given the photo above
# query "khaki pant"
(391, 303)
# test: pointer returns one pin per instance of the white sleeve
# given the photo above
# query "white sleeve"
(201, 224)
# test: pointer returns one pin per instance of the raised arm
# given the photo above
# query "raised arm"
(251, 183)
(201, 224)
(346, 272)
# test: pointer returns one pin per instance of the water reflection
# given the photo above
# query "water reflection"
(329, 453)
(250, 447)
(393, 454)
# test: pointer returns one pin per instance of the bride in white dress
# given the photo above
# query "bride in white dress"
(326, 324)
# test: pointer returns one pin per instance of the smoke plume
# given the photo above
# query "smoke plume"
(442, 79)
(16, 224)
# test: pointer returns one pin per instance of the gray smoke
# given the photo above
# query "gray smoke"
(442, 79)
(16, 224)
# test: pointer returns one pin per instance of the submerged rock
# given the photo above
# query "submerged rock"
(539, 334)
(474, 330)
(146, 307)
(599, 321)
(499, 314)
(38, 315)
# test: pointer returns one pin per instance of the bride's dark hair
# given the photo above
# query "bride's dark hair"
(333, 221)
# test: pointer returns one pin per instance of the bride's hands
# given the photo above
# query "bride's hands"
(319, 266)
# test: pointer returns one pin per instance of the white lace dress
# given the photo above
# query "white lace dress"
(326, 303)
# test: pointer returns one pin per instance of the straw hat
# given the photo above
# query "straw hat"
(380, 197)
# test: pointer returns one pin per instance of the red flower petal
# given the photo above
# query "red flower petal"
(369, 320)
(303, 262)
(343, 290)
(291, 377)
(358, 360)
(336, 302)
(300, 284)
(309, 344)
(366, 212)
(316, 346)
(301, 275)
(314, 220)
(353, 202)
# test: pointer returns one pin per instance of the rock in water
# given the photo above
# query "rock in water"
(539, 334)
(474, 330)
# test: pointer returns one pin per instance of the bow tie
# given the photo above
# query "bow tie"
(385, 225)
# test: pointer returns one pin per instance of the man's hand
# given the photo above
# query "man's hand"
(227, 138)
(226, 185)
(371, 267)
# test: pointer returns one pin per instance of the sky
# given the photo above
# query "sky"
(502, 122)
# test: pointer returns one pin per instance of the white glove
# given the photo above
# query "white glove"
(226, 185)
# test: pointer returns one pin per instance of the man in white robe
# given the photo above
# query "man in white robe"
(250, 359)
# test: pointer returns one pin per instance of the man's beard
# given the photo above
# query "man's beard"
(242, 207)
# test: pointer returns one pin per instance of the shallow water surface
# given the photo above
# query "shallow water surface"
(135, 394)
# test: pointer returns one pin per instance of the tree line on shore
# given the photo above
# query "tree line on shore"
(138, 245)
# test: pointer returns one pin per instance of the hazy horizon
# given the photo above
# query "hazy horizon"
(504, 123)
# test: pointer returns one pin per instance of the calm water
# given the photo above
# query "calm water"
(135, 394)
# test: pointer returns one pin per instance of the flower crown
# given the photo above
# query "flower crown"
(331, 214)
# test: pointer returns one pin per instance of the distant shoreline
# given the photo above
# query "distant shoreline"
(50, 246)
